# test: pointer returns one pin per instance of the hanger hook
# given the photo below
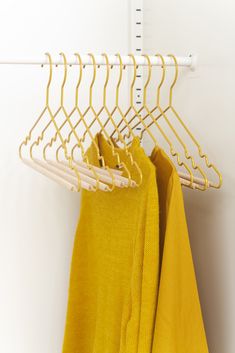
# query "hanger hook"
(93, 78)
(64, 79)
(148, 78)
(175, 78)
(48, 55)
(78, 56)
(163, 65)
(134, 77)
(107, 77)
(120, 77)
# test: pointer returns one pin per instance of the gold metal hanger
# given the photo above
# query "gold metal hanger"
(70, 173)
(81, 119)
(109, 117)
(90, 177)
(201, 184)
(75, 174)
(120, 164)
(193, 139)
(117, 106)
(40, 165)
(84, 167)
(132, 108)
(104, 173)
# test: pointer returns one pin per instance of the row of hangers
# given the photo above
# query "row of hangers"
(75, 173)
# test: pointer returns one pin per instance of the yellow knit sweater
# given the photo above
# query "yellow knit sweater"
(119, 299)
(114, 270)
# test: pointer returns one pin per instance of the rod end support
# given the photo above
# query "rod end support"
(194, 61)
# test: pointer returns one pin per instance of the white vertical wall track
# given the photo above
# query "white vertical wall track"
(136, 44)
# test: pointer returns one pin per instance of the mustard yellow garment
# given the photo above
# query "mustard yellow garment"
(179, 326)
(114, 269)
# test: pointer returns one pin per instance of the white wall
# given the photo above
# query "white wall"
(38, 218)
(206, 100)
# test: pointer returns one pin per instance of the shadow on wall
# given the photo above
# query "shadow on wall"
(208, 248)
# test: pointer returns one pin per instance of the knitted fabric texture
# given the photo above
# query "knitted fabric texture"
(114, 268)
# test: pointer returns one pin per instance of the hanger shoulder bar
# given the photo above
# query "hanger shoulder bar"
(187, 61)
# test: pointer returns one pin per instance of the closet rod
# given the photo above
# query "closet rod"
(187, 61)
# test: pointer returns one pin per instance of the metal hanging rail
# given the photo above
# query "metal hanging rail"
(186, 61)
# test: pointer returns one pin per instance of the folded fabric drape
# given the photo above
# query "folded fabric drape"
(132, 282)
(179, 325)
